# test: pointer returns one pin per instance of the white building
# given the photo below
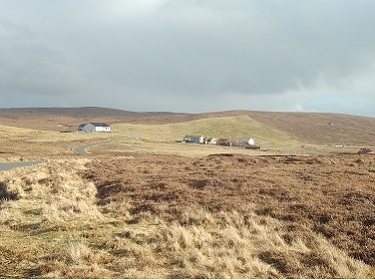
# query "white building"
(98, 127)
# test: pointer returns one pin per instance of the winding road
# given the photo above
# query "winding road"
(81, 150)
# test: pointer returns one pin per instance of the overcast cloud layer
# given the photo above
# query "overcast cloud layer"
(189, 56)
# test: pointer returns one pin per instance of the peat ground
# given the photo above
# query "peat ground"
(332, 196)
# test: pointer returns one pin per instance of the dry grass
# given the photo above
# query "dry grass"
(140, 220)
(44, 209)
(19, 143)
(149, 207)
(227, 216)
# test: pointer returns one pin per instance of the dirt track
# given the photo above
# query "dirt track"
(333, 196)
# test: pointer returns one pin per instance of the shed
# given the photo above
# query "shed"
(211, 140)
(223, 142)
(194, 139)
(98, 127)
(242, 141)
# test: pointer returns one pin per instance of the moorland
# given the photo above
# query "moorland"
(143, 204)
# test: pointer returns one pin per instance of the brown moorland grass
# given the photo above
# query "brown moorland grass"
(147, 207)
(163, 216)
(321, 211)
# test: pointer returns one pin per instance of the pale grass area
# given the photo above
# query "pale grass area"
(161, 139)
(27, 144)
(225, 245)
(52, 190)
(44, 210)
(225, 127)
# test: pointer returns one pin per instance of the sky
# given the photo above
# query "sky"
(189, 56)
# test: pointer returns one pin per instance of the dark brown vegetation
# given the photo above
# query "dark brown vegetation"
(329, 196)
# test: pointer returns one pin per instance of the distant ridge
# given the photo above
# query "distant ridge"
(315, 128)
(55, 118)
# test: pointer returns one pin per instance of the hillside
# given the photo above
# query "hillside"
(322, 128)
(314, 128)
(56, 119)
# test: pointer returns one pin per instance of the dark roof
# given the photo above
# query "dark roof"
(94, 124)
(99, 124)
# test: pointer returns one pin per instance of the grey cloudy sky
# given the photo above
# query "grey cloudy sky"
(189, 55)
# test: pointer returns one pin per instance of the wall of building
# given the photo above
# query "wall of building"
(88, 127)
(103, 128)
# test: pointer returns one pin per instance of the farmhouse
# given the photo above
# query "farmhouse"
(98, 127)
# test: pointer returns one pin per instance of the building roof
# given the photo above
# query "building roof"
(99, 124)
(95, 124)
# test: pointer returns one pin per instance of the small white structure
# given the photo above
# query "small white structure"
(249, 141)
(242, 142)
(211, 141)
(98, 127)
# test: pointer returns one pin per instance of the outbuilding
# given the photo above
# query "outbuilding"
(242, 141)
(194, 139)
(94, 127)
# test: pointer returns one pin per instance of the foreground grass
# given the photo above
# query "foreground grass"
(55, 224)
(46, 212)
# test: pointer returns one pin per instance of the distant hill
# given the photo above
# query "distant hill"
(322, 128)
(59, 118)
(315, 128)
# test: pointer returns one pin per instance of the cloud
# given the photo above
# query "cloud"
(188, 55)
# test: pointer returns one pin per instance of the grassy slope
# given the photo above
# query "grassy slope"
(162, 137)
(224, 127)
(319, 128)
(240, 126)
(315, 128)
(270, 139)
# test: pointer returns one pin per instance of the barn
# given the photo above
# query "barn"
(97, 127)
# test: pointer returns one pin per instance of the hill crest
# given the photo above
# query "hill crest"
(315, 128)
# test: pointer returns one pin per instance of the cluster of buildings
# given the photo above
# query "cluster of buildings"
(236, 142)
(248, 143)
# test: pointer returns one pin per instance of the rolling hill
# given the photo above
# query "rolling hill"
(314, 128)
